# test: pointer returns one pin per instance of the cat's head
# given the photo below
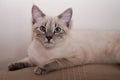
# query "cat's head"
(50, 31)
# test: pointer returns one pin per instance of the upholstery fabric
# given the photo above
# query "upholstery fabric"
(86, 72)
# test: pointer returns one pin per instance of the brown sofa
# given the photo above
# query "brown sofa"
(86, 72)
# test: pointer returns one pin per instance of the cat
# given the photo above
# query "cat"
(56, 46)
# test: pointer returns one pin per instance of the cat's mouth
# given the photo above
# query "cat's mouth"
(49, 41)
(48, 44)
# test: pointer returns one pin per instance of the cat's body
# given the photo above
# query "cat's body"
(55, 46)
(95, 46)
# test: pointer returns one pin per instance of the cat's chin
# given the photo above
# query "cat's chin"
(48, 45)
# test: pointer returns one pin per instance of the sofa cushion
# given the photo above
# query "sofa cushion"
(86, 72)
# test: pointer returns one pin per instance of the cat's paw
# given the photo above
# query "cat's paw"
(16, 66)
(40, 71)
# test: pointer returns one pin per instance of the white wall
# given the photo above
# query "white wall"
(99, 14)
(15, 30)
(15, 21)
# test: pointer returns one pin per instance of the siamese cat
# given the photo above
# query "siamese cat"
(56, 46)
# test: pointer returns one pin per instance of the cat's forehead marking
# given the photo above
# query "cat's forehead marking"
(50, 23)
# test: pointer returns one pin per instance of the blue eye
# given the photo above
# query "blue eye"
(42, 28)
(57, 30)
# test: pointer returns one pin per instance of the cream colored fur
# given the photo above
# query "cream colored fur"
(69, 47)
(81, 47)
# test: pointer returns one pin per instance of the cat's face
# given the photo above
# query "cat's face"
(50, 31)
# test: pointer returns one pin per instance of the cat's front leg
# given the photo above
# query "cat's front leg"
(53, 65)
(20, 64)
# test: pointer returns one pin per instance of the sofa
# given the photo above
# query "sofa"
(85, 72)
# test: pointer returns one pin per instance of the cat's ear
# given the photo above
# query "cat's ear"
(37, 14)
(66, 16)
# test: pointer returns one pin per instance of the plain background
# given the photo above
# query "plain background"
(15, 21)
